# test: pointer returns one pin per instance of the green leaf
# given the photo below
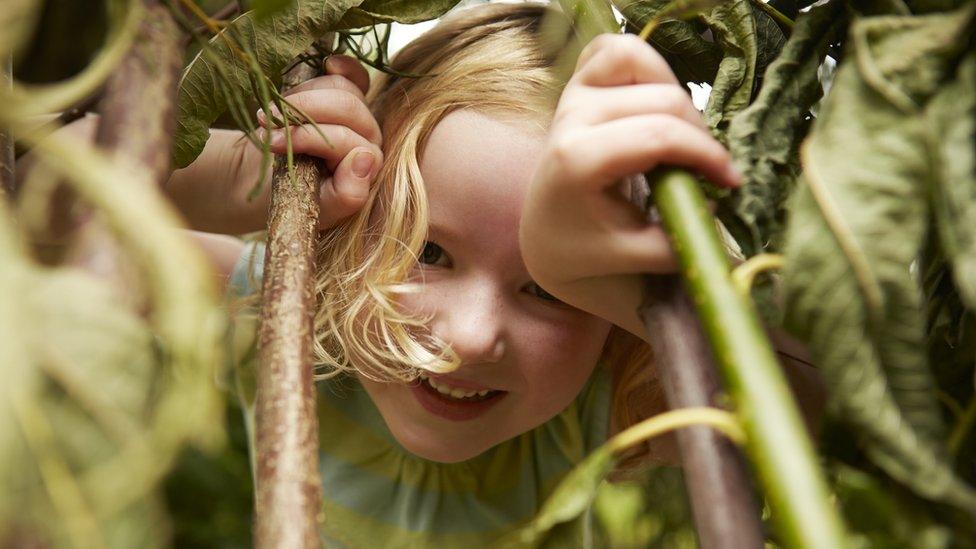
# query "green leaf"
(213, 80)
(408, 12)
(769, 42)
(266, 8)
(733, 25)
(571, 498)
(692, 58)
(952, 114)
(858, 222)
(764, 138)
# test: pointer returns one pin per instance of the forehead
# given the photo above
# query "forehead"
(476, 170)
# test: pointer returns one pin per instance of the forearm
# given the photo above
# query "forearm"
(222, 251)
(212, 192)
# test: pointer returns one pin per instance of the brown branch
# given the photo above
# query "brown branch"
(139, 101)
(137, 124)
(725, 510)
(289, 489)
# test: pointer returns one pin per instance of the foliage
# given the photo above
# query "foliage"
(103, 386)
(849, 289)
(869, 191)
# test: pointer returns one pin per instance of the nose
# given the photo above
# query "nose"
(471, 321)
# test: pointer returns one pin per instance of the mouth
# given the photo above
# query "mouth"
(442, 399)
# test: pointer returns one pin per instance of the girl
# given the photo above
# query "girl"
(479, 272)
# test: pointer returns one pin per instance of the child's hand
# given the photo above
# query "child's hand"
(352, 155)
(213, 192)
(622, 112)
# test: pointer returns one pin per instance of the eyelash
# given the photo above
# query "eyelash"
(433, 249)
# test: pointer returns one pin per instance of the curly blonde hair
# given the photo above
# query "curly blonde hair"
(489, 59)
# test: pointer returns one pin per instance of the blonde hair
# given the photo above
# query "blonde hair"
(488, 59)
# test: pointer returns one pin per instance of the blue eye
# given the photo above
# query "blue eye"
(431, 254)
(537, 291)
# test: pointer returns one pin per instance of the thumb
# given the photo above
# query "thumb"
(345, 192)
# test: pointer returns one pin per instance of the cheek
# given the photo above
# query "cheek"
(558, 359)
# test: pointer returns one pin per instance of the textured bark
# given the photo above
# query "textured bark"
(136, 125)
(725, 510)
(289, 489)
(138, 102)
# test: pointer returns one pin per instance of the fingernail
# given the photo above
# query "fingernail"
(362, 163)
(325, 65)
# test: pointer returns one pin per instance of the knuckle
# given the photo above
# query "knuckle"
(563, 148)
(344, 100)
(675, 100)
(339, 82)
(659, 131)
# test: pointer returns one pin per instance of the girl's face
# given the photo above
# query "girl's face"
(524, 355)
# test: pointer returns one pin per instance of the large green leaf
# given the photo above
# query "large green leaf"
(221, 73)
(764, 138)
(407, 12)
(953, 134)
(858, 223)
(692, 58)
(734, 27)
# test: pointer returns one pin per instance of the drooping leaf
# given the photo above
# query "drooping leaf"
(692, 58)
(858, 222)
(953, 133)
(734, 28)
(408, 12)
(214, 79)
(764, 138)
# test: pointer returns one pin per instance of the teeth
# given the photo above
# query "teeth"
(452, 392)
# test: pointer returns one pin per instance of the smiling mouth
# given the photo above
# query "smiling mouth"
(455, 394)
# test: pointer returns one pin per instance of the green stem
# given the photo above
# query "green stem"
(777, 442)
(744, 275)
(778, 445)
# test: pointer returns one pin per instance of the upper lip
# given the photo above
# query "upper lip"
(460, 383)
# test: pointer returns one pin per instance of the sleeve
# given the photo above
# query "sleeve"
(245, 278)
(243, 291)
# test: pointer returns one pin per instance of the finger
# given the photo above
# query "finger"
(645, 250)
(346, 191)
(351, 68)
(331, 106)
(621, 59)
(591, 106)
(306, 140)
(328, 82)
(598, 156)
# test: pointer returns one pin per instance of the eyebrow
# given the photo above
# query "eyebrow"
(441, 232)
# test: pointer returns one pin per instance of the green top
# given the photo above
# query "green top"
(377, 494)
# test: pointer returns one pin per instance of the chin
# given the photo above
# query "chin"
(434, 448)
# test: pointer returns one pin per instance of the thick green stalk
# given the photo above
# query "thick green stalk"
(778, 447)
